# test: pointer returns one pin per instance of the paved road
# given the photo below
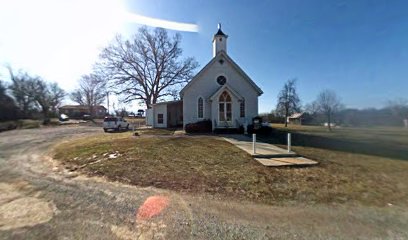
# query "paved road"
(41, 200)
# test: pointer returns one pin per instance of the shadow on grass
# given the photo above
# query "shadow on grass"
(375, 147)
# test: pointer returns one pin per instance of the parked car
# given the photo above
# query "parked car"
(63, 118)
(86, 117)
(140, 113)
(115, 123)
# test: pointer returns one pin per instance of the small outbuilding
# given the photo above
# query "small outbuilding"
(78, 111)
(295, 118)
(165, 115)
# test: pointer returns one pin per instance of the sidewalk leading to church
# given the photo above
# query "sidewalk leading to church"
(268, 154)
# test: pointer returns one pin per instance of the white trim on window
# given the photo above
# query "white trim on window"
(221, 74)
(160, 118)
(242, 108)
(198, 107)
(225, 103)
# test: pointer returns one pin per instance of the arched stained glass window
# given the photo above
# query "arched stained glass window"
(225, 97)
(200, 107)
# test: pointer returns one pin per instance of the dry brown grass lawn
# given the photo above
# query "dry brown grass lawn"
(208, 165)
(155, 131)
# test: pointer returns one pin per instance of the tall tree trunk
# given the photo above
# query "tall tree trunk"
(25, 109)
(46, 115)
(328, 120)
(91, 111)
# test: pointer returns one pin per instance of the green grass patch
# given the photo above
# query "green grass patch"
(387, 142)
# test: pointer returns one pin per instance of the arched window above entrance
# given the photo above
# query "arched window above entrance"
(225, 97)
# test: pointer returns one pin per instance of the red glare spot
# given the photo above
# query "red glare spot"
(151, 207)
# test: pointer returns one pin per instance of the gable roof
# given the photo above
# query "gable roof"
(80, 107)
(229, 89)
(168, 102)
(296, 115)
(234, 65)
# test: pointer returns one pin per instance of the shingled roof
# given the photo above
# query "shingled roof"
(220, 32)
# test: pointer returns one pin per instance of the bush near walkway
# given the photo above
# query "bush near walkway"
(204, 126)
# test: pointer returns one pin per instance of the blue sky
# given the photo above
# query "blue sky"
(357, 48)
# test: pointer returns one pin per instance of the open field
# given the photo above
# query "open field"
(136, 122)
(388, 142)
(211, 166)
(52, 202)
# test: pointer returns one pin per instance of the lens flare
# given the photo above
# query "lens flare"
(153, 206)
(155, 22)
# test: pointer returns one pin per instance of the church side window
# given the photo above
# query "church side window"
(242, 108)
(200, 107)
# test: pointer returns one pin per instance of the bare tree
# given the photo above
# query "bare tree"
(328, 103)
(32, 92)
(20, 90)
(91, 91)
(8, 108)
(147, 67)
(56, 95)
(312, 108)
(288, 100)
(40, 94)
(399, 109)
(175, 94)
(47, 96)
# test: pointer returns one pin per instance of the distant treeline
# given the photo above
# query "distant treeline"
(29, 97)
(392, 115)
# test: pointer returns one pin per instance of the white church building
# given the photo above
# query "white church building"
(221, 92)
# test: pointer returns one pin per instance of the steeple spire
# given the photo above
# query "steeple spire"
(219, 32)
(219, 41)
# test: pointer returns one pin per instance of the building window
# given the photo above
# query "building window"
(225, 107)
(160, 118)
(242, 108)
(221, 80)
(200, 107)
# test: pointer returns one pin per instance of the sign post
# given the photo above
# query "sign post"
(289, 142)
(254, 143)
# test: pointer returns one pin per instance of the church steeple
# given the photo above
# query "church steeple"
(219, 41)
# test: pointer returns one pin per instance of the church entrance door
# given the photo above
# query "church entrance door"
(225, 110)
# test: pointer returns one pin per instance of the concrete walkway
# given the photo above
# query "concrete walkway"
(268, 154)
(262, 149)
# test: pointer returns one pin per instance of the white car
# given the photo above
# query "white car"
(114, 123)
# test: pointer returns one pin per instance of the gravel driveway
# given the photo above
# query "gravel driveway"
(41, 200)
